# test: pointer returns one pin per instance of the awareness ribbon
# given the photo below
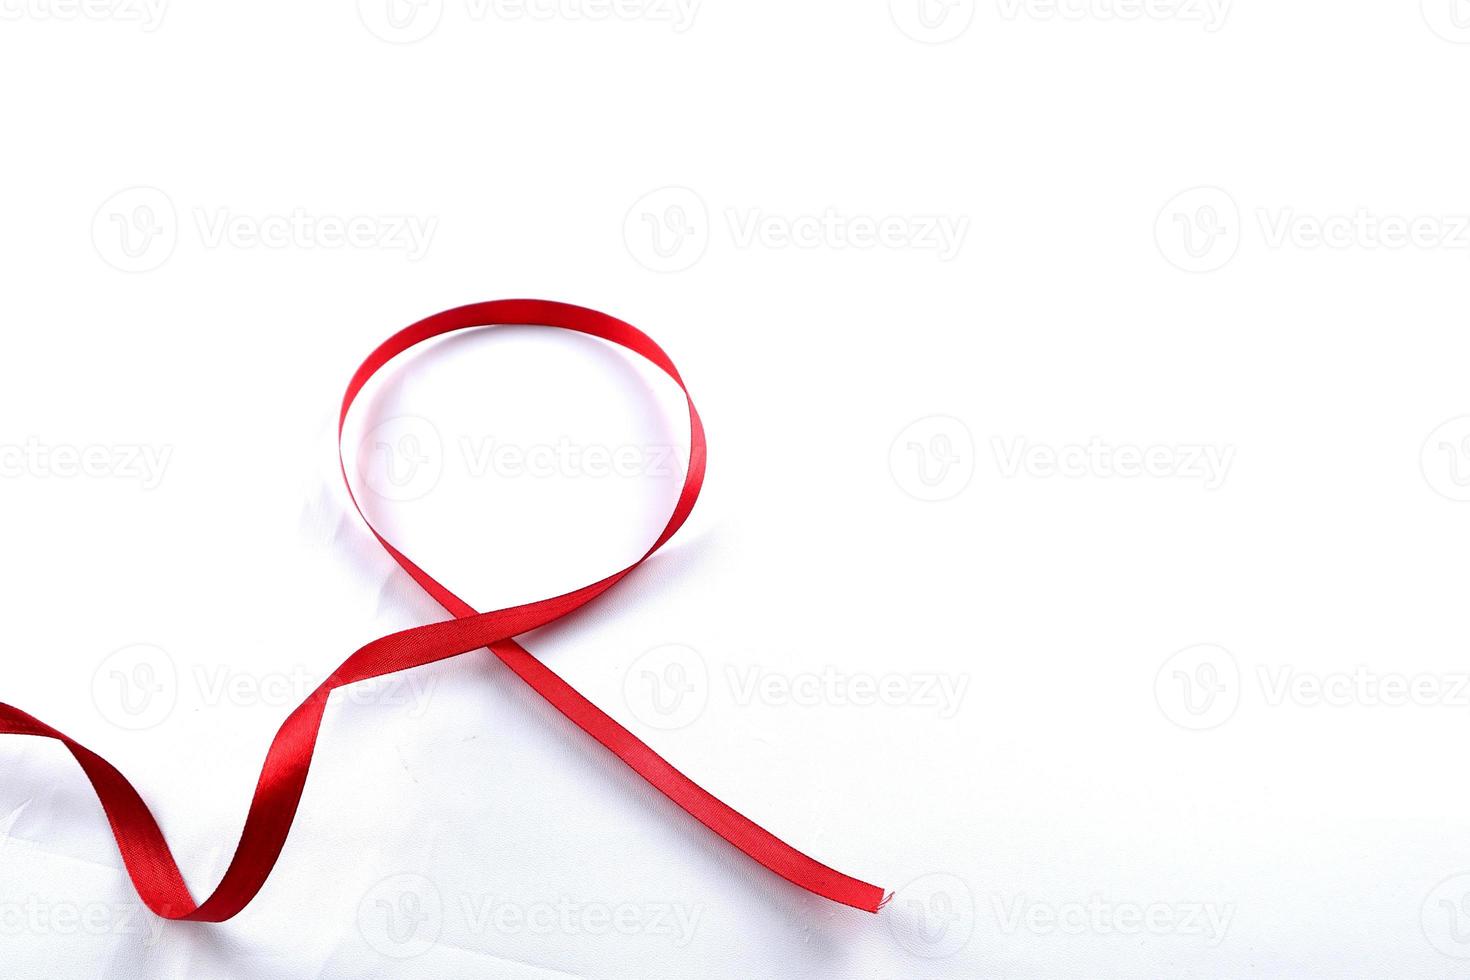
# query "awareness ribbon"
(146, 854)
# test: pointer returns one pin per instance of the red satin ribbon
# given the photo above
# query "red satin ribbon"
(146, 854)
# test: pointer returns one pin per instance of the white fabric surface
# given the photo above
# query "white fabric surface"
(1033, 789)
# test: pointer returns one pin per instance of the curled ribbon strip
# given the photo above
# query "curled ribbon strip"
(146, 854)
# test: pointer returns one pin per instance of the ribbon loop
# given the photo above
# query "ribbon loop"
(145, 852)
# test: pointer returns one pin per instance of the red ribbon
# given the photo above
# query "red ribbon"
(146, 854)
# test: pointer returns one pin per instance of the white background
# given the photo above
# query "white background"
(1164, 302)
